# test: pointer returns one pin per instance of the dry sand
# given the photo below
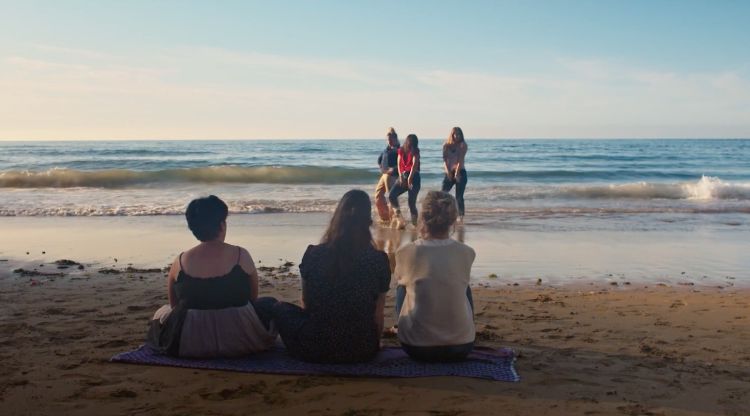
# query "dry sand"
(594, 349)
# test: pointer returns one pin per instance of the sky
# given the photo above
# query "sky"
(350, 69)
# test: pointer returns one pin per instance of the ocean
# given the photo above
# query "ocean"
(521, 184)
(670, 211)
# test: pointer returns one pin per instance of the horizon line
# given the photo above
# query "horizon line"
(357, 138)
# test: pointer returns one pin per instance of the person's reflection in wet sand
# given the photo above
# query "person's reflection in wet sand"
(459, 233)
(389, 240)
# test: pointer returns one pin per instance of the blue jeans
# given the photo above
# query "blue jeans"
(460, 188)
(399, 189)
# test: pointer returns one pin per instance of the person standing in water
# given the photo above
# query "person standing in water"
(388, 162)
(408, 180)
(454, 154)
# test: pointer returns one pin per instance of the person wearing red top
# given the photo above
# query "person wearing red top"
(408, 180)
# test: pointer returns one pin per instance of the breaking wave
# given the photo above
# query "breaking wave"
(707, 188)
(121, 178)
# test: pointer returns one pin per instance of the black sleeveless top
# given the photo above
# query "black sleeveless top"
(230, 290)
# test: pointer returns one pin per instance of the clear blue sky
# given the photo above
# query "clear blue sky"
(178, 69)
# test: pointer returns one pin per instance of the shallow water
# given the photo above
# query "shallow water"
(703, 256)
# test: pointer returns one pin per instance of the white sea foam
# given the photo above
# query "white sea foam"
(707, 188)
(707, 195)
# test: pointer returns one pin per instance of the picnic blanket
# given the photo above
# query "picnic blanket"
(484, 363)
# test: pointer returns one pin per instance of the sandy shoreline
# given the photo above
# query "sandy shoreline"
(592, 349)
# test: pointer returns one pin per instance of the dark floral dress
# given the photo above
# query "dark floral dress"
(337, 324)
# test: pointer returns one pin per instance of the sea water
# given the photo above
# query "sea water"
(552, 209)
(537, 184)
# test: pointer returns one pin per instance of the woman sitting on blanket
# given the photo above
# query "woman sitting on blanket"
(344, 281)
(433, 299)
(214, 309)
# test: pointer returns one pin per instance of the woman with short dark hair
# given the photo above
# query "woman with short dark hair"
(344, 281)
(214, 309)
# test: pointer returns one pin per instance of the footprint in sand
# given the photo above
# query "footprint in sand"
(117, 343)
(124, 393)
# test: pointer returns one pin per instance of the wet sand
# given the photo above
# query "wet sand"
(704, 257)
(599, 348)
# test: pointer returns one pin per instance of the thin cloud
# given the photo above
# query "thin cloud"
(216, 93)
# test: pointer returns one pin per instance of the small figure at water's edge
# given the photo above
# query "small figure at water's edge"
(388, 162)
(454, 155)
(408, 181)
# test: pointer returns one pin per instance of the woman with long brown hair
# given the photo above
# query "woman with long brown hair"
(408, 180)
(344, 281)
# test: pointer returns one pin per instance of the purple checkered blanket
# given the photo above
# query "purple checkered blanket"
(485, 363)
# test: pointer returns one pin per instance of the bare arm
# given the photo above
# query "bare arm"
(462, 149)
(379, 316)
(414, 168)
(445, 164)
(248, 265)
(302, 294)
(171, 278)
(380, 164)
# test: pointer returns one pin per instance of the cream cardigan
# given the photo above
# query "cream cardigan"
(436, 311)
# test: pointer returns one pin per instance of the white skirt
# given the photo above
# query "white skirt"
(229, 332)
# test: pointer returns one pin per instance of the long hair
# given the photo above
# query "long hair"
(458, 134)
(411, 144)
(391, 134)
(349, 231)
(439, 213)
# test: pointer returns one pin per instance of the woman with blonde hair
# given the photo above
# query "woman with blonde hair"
(433, 298)
(454, 154)
(388, 162)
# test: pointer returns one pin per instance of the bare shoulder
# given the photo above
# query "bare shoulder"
(175, 268)
(465, 247)
(246, 261)
(245, 256)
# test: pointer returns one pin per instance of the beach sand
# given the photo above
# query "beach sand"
(637, 349)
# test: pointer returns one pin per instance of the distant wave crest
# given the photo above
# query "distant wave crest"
(706, 188)
(120, 178)
(135, 210)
